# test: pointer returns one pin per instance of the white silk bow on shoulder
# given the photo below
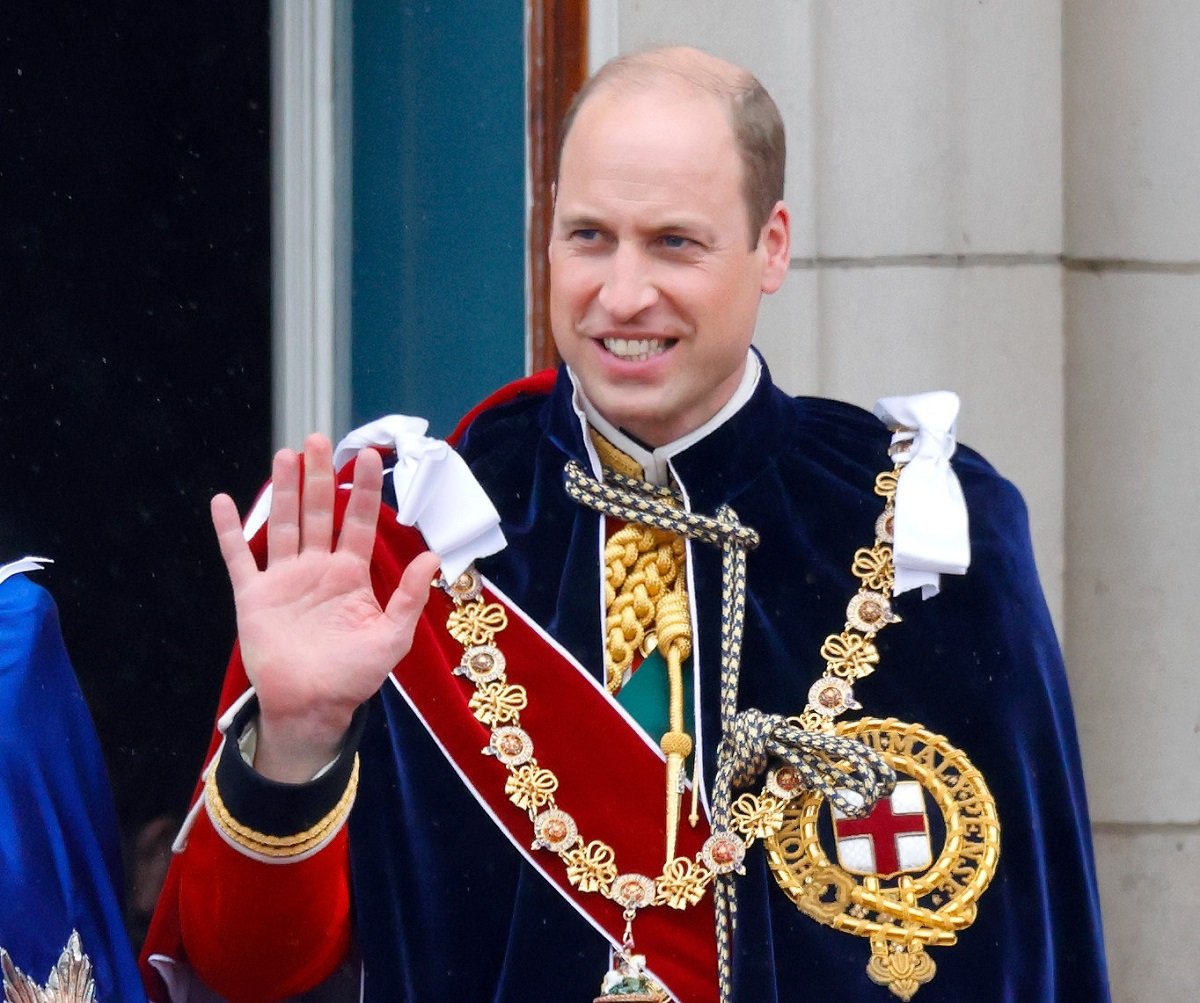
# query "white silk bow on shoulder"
(930, 529)
(435, 492)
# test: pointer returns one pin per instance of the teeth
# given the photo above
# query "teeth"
(636, 350)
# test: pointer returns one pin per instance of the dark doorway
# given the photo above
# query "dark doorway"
(135, 361)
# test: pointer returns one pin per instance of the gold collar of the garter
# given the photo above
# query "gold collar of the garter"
(850, 765)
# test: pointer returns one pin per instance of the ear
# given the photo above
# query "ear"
(775, 243)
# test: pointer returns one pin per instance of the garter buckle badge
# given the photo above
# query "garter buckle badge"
(886, 884)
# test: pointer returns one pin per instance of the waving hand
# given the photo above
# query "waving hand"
(315, 641)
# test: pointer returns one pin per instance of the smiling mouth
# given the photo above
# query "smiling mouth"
(637, 349)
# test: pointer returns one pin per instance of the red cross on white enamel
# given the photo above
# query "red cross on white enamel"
(882, 826)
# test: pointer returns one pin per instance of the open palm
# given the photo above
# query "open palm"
(314, 639)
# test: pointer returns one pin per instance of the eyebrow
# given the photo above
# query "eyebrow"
(580, 221)
(679, 226)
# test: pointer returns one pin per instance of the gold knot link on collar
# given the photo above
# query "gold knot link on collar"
(476, 623)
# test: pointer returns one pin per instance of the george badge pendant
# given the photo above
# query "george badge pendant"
(886, 883)
(627, 981)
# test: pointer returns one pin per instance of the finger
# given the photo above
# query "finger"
(362, 511)
(235, 551)
(411, 595)
(283, 526)
(316, 502)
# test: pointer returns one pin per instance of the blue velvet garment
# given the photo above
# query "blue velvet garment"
(448, 910)
(60, 857)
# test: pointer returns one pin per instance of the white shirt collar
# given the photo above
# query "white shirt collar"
(655, 462)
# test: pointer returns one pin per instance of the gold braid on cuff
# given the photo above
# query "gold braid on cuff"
(280, 847)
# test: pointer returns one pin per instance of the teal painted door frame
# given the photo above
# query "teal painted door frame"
(438, 205)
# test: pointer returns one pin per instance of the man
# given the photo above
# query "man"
(676, 531)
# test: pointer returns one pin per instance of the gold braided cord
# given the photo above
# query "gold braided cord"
(646, 607)
(642, 566)
(280, 847)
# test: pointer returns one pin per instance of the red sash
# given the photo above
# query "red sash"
(610, 780)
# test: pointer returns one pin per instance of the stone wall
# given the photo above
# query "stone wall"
(1132, 335)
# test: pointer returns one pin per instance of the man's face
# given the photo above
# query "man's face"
(654, 287)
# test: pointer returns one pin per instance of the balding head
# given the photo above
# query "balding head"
(753, 116)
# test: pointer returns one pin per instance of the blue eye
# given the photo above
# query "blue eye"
(586, 235)
(674, 241)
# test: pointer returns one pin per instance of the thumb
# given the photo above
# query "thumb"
(411, 595)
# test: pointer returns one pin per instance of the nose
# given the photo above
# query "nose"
(628, 286)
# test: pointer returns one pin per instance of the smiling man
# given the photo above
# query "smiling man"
(645, 739)
(658, 255)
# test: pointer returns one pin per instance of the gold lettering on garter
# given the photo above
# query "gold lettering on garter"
(904, 914)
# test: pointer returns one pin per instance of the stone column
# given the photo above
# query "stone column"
(925, 183)
(1132, 111)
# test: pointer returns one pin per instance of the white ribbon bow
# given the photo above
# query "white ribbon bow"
(930, 530)
(435, 492)
(24, 564)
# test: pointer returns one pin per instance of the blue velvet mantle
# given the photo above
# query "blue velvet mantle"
(60, 857)
(447, 909)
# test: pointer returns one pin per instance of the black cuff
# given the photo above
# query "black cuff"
(274, 808)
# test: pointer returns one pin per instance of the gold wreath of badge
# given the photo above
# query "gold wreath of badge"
(886, 884)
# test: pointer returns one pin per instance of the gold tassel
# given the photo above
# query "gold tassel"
(674, 637)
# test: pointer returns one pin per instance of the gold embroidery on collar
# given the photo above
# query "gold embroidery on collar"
(613, 458)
